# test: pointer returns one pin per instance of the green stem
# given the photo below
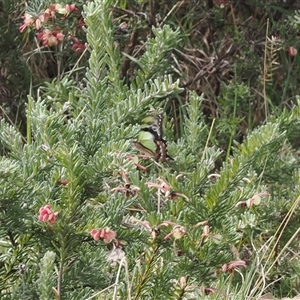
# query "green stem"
(29, 110)
(146, 274)
(61, 268)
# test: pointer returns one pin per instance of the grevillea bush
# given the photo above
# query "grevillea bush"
(91, 210)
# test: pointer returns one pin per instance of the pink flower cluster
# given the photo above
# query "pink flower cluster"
(43, 18)
(50, 37)
(48, 32)
(47, 215)
(106, 234)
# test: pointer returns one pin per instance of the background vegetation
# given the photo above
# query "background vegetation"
(83, 216)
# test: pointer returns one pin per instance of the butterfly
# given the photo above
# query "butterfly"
(150, 140)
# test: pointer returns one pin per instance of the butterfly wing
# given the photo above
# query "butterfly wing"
(145, 143)
(150, 138)
(153, 124)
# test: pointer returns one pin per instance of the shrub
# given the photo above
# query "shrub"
(84, 215)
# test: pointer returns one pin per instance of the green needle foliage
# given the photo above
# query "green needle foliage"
(183, 228)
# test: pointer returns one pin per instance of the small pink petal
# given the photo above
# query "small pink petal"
(109, 236)
(95, 234)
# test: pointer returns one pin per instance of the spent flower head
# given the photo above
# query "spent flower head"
(234, 266)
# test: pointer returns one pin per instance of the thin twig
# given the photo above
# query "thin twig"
(210, 67)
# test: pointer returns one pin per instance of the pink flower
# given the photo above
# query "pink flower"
(78, 48)
(36, 22)
(59, 35)
(255, 200)
(163, 185)
(50, 37)
(95, 234)
(233, 266)
(178, 232)
(28, 20)
(135, 160)
(51, 10)
(292, 51)
(60, 9)
(40, 36)
(43, 18)
(70, 7)
(47, 215)
(216, 238)
(146, 224)
(106, 234)
(166, 189)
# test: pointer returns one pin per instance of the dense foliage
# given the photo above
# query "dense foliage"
(84, 215)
